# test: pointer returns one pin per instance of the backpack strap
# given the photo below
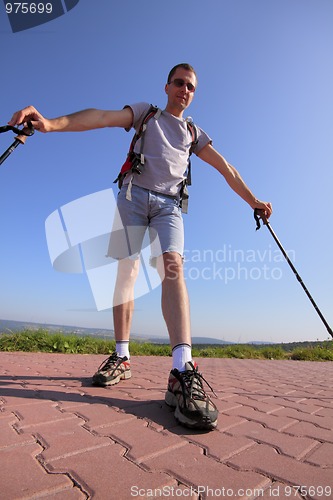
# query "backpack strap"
(135, 161)
(153, 112)
(184, 195)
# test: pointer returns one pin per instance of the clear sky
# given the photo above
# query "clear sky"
(265, 73)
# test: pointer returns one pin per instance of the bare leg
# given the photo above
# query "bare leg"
(123, 299)
(175, 302)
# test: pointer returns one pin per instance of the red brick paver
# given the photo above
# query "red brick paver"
(62, 438)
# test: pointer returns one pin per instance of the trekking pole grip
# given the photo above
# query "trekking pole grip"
(260, 214)
(25, 132)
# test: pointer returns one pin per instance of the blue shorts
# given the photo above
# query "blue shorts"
(159, 213)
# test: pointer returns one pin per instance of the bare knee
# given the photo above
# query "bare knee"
(128, 271)
(170, 266)
(124, 289)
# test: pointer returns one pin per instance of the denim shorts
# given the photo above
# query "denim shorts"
(150, 218)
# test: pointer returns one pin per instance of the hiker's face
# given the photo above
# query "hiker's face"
(181, 96)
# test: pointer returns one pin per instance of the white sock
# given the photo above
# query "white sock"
(181, 354)
(122, 348)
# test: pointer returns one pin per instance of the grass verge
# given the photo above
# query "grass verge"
(43, 341)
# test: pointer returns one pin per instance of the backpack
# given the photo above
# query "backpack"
(135, 161)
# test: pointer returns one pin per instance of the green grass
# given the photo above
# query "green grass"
(316, 353)
(43, 341)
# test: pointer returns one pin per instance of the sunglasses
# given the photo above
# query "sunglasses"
(179, 82)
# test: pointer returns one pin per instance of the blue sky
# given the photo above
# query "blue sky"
(265, 97)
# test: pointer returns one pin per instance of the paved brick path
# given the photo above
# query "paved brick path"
(62, 438)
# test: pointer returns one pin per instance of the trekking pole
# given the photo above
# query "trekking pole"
(19, 139)
(259, 214)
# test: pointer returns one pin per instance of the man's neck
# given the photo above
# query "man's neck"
(178, 113)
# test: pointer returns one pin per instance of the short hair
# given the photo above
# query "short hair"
(186, 66)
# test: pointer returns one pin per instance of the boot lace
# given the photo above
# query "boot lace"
(191, 381)
(112, 361)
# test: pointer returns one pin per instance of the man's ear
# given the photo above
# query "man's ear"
(166, 88)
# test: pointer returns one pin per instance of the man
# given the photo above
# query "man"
(153, 199)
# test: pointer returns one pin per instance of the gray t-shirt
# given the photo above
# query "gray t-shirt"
(166, 150)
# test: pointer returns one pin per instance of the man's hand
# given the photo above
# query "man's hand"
(264, 207)
(30, 114)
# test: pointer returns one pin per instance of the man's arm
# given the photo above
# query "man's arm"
(86, 119)
(233, 178)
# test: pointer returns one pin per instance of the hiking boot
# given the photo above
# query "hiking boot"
(112, 370)
(193, 408)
